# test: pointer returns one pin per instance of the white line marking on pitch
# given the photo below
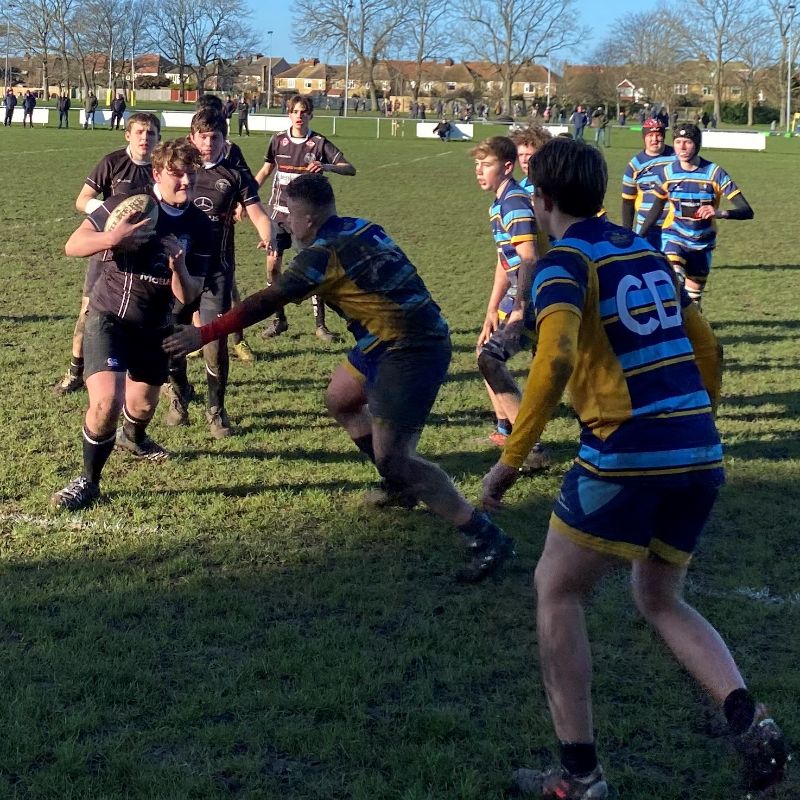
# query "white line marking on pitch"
(64, 523)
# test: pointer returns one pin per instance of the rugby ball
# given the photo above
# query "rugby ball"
(142, 206)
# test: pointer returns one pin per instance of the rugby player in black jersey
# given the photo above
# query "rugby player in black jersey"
(123, 172)
(143, 272)
(219, 187)
(294, 152)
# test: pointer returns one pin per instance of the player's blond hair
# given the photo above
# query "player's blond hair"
(178, 155)
(501, 147)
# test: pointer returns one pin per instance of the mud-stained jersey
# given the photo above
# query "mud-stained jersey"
(291, 156)
(137, 285)
(635, 387)
(368, 280)
(512, 220)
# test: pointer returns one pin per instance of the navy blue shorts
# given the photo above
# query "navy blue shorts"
(113, 345)
(401, 385)
(694, 264)
(633, 520)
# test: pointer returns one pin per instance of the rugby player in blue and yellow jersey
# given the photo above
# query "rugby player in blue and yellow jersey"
(642, 368)
(693, 187)
(382, 395)
(508, 326)
(641, 177)
(528, 141)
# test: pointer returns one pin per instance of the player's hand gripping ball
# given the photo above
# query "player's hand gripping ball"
(134, 208)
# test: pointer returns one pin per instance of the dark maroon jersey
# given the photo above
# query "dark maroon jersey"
(137, 285)
(291, 157)
(217, 191)
(117, 174)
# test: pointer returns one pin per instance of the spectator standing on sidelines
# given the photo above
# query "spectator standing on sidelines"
(291, 153)
(9, 103)
(642, 368)
(64, 105)
(578, 122)
(118, 107)
(28, 104)
(243, 110)
(89, 110)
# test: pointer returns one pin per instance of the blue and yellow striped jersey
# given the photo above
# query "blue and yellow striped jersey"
(511, 216)
(643, 408)
(367, 279)
(526, 185)
(640, 178)
(685, 192)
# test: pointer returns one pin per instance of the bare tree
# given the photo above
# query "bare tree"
(650, 45)
(783, 20)
(169, 35)
(370, 25)
(512, 33)
(719, 29)
(427, 34)
(219, 32)
(35, 21)
(756, 54)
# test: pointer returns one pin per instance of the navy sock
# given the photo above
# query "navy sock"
(76, 366)
(96, 450)
(364, 444)
(503, 426)
(134, 429)
(740, 709)
(578, 758)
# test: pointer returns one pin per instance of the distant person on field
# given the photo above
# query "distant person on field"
(118, 107)
(9, 103)
(64, 105)
(144, 272)
(642, 369)
(693, 188)
(28, 104)
(578, 122)
(599, 123)
(292, 153)
(243, 110)
(89, 109)
(122, 172)
(642, 177)
(382, 395)
(443, 129)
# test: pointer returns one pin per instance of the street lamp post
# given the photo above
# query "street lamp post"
(347, 53)
(789, 63)
(8, 34)
(269, 77)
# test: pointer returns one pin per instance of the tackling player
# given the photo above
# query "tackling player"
(219, 187)
(641, 177)
(642, 368)
(294, 152)
(123, 172)
(143, 272)
(693, 187)
(384, 392)
(508, 327)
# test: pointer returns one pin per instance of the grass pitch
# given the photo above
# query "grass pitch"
(234, 624)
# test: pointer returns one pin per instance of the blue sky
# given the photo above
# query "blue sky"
(277, 18)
